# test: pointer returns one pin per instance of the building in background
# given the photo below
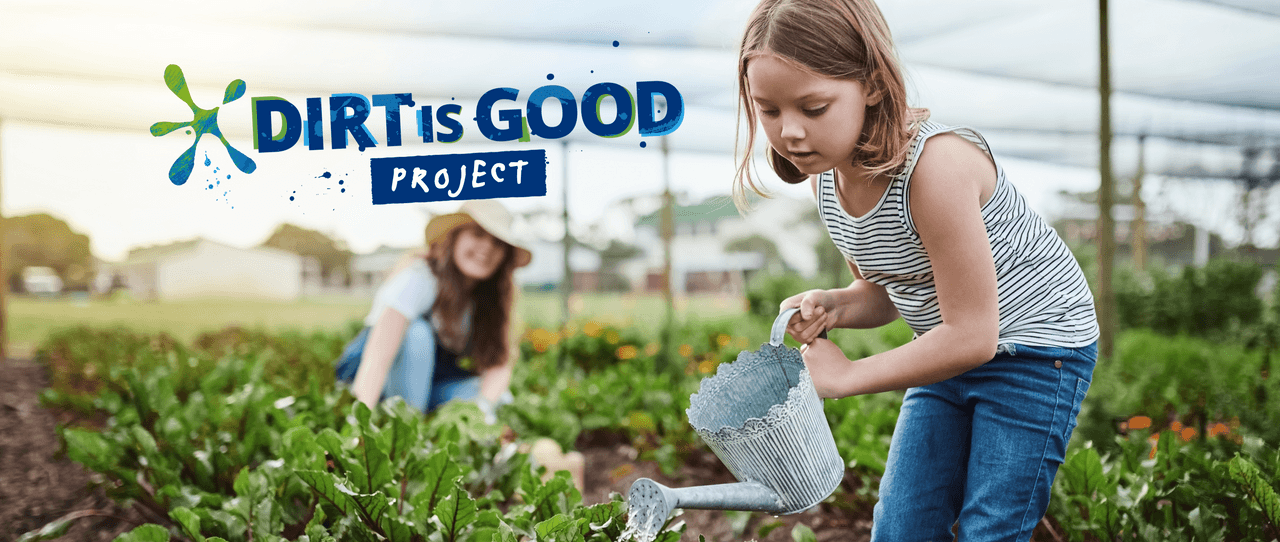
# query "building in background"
(700, 257)
(204, 268)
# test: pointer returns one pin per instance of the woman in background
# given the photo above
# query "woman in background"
(441, 325)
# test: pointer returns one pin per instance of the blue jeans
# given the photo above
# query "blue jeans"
(983, 447)
(410, 376)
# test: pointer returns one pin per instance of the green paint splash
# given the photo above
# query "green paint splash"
(203, 121)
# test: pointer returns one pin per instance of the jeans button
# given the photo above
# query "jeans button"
(1057, 364)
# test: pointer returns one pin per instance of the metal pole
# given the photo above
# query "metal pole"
(566, 284)
(1140, 209)
(668, 232)
(1106, 225)
(4, 285)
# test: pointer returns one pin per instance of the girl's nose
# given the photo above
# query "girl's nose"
(792, 127)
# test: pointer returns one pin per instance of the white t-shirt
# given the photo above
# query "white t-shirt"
(411, 292)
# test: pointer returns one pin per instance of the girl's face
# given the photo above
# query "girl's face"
(477, 253)
(812, 120)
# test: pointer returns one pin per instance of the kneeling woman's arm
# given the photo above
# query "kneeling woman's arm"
(379, 352)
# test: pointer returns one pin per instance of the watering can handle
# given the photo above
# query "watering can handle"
(779, 330)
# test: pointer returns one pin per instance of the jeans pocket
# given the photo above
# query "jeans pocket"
(1082, 389)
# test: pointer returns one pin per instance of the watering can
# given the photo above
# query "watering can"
(762, 417)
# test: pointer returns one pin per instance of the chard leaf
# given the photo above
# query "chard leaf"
(326, 485)
(189, 521)
(1261, 494)
(455, 512)
(145, 533)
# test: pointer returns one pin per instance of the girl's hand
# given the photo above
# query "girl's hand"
(817, 314)
(828, 367)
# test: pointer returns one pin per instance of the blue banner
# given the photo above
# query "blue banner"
(446, 177)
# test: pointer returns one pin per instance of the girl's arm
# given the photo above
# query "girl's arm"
(861, 305)
(946, 195)
(379, 352)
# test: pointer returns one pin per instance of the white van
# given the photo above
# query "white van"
(41, 281)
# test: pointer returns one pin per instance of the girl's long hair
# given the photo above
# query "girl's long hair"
(843, 39)
(491, 300)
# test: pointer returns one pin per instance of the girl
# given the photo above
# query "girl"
(454, 301)
(1005, 332)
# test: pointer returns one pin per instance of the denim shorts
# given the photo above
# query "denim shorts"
(983, 448)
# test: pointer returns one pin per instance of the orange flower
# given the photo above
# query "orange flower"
(707, 366)
(1176, 426)
(723, 340)
(1218, 429)
(1188, 433)
(611, 336)
(626, 352)
(592, 329)
(686, 350)
(1139, 422)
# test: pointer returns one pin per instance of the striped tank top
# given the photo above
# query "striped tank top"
(1043, 296)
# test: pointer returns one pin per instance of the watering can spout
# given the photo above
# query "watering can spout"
(650, 503)
(747, 496)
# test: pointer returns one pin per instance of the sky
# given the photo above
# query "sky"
(75, 110)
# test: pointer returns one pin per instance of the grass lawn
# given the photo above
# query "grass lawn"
(29, 320)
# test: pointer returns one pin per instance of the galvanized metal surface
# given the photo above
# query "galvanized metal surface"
(763, 418)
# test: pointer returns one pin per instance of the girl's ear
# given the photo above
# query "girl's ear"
(874, 94)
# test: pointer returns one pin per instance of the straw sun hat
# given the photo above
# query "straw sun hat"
(490, 215)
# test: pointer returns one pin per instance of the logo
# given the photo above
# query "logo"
(203, 121)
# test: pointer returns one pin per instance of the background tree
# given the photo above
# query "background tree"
(43, 240)
(611, 258)
(334, 257)
(773, 262)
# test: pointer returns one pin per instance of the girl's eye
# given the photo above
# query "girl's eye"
(769, 112)
(815, 111)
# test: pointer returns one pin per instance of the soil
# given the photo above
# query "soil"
(38, 484)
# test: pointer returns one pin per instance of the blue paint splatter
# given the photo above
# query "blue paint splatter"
(344, 190)
(325, 175)
(615, 43)
(643, 144)
(206, 159)
(290, 198)
(203, 121)
(339, 182)
(551, 76)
